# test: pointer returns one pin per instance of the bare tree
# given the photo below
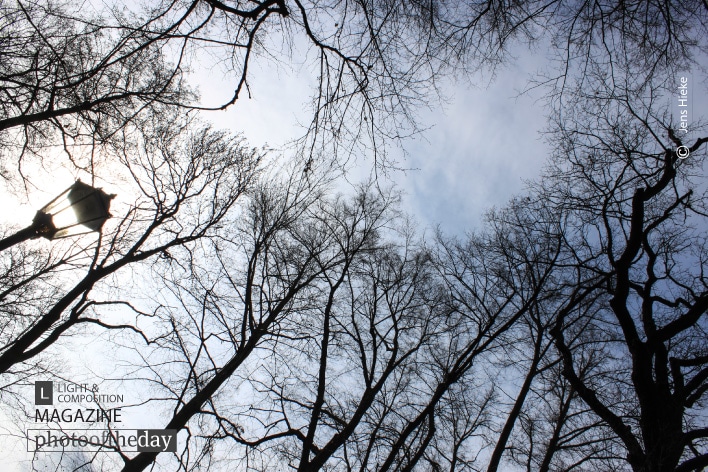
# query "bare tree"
(635, 235)
(76, 75)
(311, 331)
(544, 426)
(358, 349)
(186, 180)
(296, 250)
(71, 77)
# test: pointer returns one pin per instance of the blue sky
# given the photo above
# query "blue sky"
(475, 151)
(478, 148)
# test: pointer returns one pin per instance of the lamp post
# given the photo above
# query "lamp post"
(77, 210)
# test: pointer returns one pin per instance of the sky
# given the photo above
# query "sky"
(477, 149)
(474, 153)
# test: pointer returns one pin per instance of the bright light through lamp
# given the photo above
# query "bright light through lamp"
(77, 210)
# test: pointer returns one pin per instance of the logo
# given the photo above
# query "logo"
(71, 413)
(683, 152)
(44, 393)
(125, 440)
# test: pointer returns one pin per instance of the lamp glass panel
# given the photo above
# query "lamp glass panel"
(79, 209)
(65, 218)
(81, 204)
(88, 207)
(71, 231)
(59, 204)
